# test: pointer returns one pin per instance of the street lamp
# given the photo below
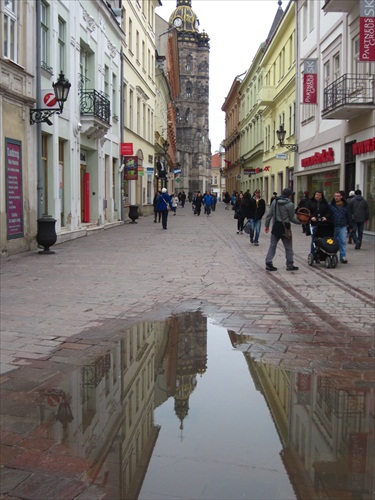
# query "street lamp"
(281, 136)
(61, 89)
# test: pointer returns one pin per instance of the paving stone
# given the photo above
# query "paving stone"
(10, 479)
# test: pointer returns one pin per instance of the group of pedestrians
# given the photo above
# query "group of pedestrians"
(252, 208)
(208, 201)
(342, 216)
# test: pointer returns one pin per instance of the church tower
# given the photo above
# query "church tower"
(192, 105)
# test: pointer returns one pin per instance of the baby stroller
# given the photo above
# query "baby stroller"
(324, 244)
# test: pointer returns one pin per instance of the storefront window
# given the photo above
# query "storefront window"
(369, 193)
(328, 181)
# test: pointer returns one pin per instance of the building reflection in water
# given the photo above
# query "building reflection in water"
(103, 412)
(326, 426)
(109, 421)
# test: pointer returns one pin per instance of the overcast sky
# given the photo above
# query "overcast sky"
(236, 29)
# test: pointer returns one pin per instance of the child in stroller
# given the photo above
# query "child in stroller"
(324, 246)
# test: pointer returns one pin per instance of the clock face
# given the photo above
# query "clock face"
(177, 22)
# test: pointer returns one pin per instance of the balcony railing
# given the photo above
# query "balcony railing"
(95, 104)
(349, 96)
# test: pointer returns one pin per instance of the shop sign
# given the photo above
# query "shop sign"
(367, 30)
(281, 156)
(310, 81)
(360, 148)
(252, 171)
(14, 196)
(131, 168)
(126, 149)
(140, 171)
(177, 171)
(319, 158)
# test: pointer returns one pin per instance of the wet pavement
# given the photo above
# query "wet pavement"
(106, 350)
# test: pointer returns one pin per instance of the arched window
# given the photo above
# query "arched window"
(188, 89)
(189, 60)
(187, 115)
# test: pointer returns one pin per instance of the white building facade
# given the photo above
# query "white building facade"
(337, 133)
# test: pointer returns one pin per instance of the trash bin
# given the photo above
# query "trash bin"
(46, 235)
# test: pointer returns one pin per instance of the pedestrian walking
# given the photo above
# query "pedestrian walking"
(164, 204)
(341, 221)
(207, 201)
(198, 203)
(304, 203)
(174, 201)
(257, 209)
(320, 214)
(360, 214)
(154, 203)
(348, 199)
(226, 200)
(282, 213)
(239, 212)
(183, 199)
(274, 196)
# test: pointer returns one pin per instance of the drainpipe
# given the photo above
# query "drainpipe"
(39, 189)
(122, 190)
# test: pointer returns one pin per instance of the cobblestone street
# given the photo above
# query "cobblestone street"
(137, 271)
(62, 310)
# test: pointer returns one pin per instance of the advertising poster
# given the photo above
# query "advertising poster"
(131, 168)
(14, 196)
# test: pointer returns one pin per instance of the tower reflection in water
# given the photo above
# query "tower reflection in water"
(326, 426)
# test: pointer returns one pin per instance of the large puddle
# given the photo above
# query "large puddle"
(175, 411)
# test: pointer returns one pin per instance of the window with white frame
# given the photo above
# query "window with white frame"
(45, 26)
(61, 44)
(336, 67)
(327, 73)
(10, 31)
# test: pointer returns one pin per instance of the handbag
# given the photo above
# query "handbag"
(281, 229)
(235, 216)
(247, 227)
(167, 205)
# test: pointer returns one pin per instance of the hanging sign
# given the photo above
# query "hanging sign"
(310, 81)
(126, 149)
(367, 30)
(131, 168)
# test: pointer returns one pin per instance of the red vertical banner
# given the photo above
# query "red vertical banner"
(310, 81)
(86, 197)
(367, 31)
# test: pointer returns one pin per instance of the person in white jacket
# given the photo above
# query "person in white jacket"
(175, 202)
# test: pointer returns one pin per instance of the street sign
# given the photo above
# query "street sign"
(281, 156)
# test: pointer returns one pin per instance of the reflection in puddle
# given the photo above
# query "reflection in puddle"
(174, 411)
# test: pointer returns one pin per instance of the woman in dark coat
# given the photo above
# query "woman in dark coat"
(320, 214)
(239, 213)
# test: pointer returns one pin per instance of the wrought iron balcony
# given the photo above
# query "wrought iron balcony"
(95, 113)
(348, 97)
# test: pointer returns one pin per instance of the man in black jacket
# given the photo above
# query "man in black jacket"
(359, 213)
